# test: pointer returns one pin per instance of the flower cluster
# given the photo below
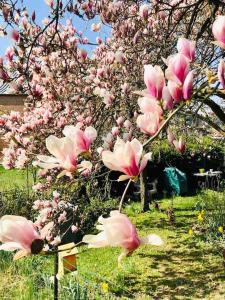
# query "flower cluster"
(72, 96)
(65, 151)
(55, 218)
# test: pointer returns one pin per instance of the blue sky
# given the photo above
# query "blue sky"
(42, 11)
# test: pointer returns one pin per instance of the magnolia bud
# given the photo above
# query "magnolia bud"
(15, 35)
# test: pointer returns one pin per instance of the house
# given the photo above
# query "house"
(9, 102)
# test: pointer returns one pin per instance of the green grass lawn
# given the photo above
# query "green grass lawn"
(184, 268)
(9, 179)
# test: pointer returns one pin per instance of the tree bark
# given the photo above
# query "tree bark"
(144, 191)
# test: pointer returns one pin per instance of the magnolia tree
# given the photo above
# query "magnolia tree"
(162, 60)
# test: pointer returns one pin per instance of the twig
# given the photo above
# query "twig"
(124, 194)
(163, 125)
(149, 141)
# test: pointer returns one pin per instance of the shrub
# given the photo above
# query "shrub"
(20, 202)
(203, 152)
(211, 217)
(17, 202)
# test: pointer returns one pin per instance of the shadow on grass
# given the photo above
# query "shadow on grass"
(182, 274)
(184, 270)
(188, 281)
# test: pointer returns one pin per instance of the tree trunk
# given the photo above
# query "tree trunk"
(144, 191)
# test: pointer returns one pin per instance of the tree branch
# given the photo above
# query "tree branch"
(218, 111)
(149, 141)
(211, 123)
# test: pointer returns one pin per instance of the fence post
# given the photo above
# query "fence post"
(56, 286)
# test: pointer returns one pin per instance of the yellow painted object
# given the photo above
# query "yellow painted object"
(67, 259)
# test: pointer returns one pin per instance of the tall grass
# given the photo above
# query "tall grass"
(184, 268)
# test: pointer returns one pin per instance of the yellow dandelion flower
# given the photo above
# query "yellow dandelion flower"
(190, 232)
(200, 217)
(220, 229)
(105, 287)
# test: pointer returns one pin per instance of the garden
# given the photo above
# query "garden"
(112, 177)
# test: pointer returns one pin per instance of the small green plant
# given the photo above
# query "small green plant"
(74, 291)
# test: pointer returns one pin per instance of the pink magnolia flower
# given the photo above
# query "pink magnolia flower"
(82, 54)
(154, 80)
(9, 53)
(187, 48)
(120, 121)
(50, 3)
(175, 90)
(56, 196)
(37, 187)
(218, 30)
(56, 241)
(85, 167)
(221, 73)
(46, 230)
(100, 150)
(37, 90)
(118, 231)
(2, 120)
(127, 124)
(178, 68)
(99, 40)
(170, 136)
(119, 57)
(167, 99)
(126, 158)
(15, 35)
(188, 86)
(180, 92)
(5, 12)
(179, 145)
(96, 27)
(74, 228)
(19, 233)
(4, 75)
(115, 131)
(81, 139)
(144, 11)
(149, 105)
(64, 153)
(62, 217)
(149, 123)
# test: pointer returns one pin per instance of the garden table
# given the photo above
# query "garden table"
(212, 179)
